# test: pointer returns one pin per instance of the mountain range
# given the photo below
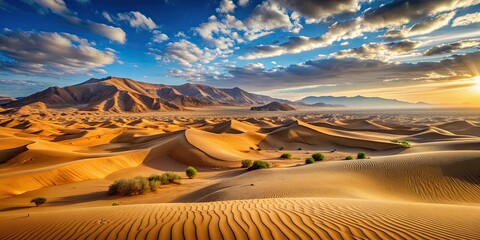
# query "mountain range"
(113, 94)
(360, 102)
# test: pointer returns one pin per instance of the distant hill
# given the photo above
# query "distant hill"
(115, 94)
(274, 106)
(4, 100)
(361, 102)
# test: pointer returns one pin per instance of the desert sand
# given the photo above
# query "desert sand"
(430, 190)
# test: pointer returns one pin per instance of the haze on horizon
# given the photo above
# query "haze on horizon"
(404, 49)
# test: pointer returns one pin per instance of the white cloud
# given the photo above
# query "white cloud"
(47, 53)
(243, 3)
(60, 8)
(421, 28)
(466, 19)
(452, 47)
(378, 51)
(392, 14)
(159, 37)
(137, 20)
(185, 53)
(226, 6)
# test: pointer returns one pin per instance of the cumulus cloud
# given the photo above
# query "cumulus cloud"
(226, 6)
(268, 16)
(137, 20)
(396, 13)
(47, 53)
(466, 19)
(221, 33)
(185, 53)
(158, 36)
(452, 47)
(379, 51)
(315, 10)
(346, 70)
(59, 7)
(421, 28)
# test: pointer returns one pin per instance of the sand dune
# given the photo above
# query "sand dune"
(325, 138)
(428, 191)
(309, 218)
(419, 177)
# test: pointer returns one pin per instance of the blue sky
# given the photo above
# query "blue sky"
(283, 48)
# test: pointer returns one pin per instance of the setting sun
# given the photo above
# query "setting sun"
(476, 81)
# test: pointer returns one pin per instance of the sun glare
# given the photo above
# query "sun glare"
(477, 83)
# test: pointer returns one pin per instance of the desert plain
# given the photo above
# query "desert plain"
(427, 190)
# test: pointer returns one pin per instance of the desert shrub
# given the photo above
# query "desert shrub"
(348, 158)
(286, 155)
(140, 185)
(168, 178)
(281, 148)
(115, 204)
(246, 163)
(318, 157)
(165, 178)
(191, 172)
(404, 144)
(309, 160)
(38, 201)
(299, 149)
(361, 155)
(129, 187)
(258, 164)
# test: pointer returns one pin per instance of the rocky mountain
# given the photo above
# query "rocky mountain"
(274, 106)
(115, 94)
(361, 102)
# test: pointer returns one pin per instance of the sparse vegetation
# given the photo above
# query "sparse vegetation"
(258, 164)
(38, 201)
(348, 158)
(191, 172)
(281, 148)
(165, 178)
(318, 156)
(286, 155)
(140, 185)
(115, 204)
(361, 155)
(246, 163)
(404, 144)
(309, 160)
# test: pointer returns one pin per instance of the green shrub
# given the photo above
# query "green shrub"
(309, 160)
(191, 172)
(361, 155)
(258, 164)
(140, 185)
(349, 158)
(404, 144)
(318, 156)
(169, 177)
(286, 155)
(115, 204)
(246, 163)
(38, 201)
